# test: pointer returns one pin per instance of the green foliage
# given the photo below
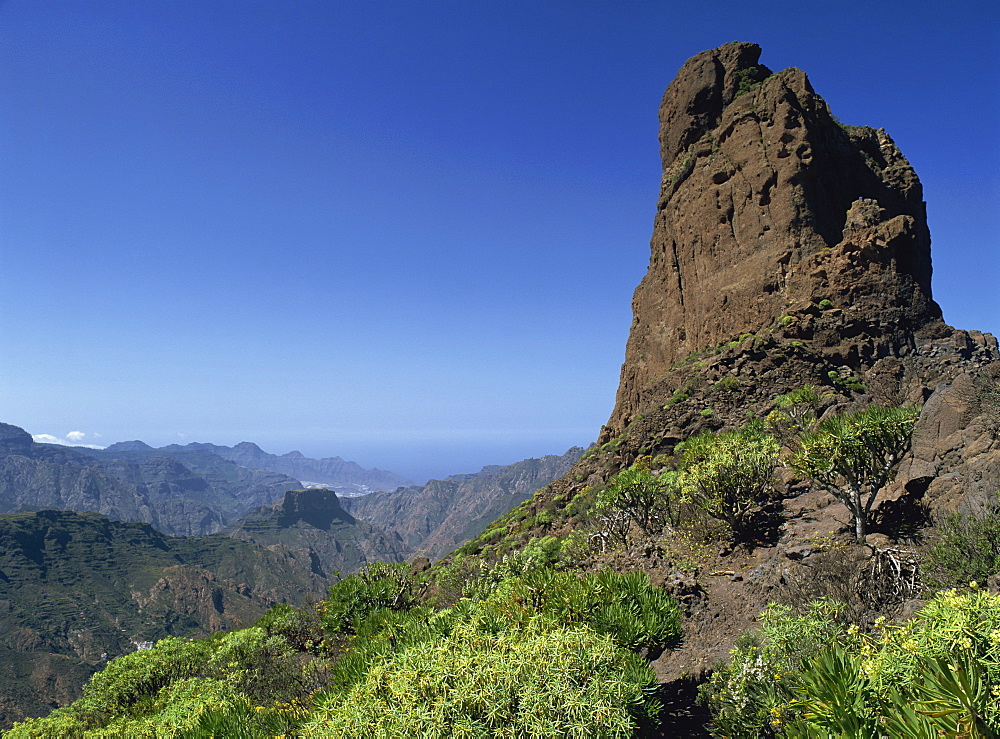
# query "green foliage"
(834, 698)
(135, 676)
(825, 304)
(848, 384)
(624, 607)
(936, 674)
(796, 412)
(837, 698)
(728, 475)
(968, 550)
(750, 695)
(380, 635)
(855, 455)
(748, 80)
(127, 684)
(380, 585)
(240, 719)
(707, 412)
(537, 681)
(678, 397)
(728, 384)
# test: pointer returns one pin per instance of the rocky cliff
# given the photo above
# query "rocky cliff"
(787, 250)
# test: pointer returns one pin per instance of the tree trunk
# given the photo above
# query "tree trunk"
(860, 517)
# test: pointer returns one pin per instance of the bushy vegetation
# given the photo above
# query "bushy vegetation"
(728, 475)
(528, 651)
(539, 680)
(967, 550)
(936, 674)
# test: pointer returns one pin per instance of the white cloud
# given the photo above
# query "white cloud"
(46, 439)
(73, 438)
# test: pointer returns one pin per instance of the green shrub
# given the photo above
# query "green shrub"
(936, 674)
(652, 501)
(848, 384)
(728, 384)
(678, 397)
(133, 677)
(380, 585)
(749, 696)
(379, 636)
(906, 677)
(241, 719)
(728, 475)
(968, 550)
(539, 681)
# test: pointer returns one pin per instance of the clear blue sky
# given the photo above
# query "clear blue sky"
(405, 233)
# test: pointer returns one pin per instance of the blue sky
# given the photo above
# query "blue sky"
(405, 233)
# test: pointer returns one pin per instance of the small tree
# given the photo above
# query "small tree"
(728, 475)
(855, 455)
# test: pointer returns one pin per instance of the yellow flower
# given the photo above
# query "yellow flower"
(973, 584)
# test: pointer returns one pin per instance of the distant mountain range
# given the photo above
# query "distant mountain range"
(187, 492)
(346, 478)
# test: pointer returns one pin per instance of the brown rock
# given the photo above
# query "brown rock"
(767, 207)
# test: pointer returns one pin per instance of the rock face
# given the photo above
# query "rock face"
(768, 207)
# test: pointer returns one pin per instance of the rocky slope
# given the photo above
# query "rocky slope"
(345, 477)
(77, 589)
(37, 476)
(434, 519)
(787, 249)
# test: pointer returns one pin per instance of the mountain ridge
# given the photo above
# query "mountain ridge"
(346, 477)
